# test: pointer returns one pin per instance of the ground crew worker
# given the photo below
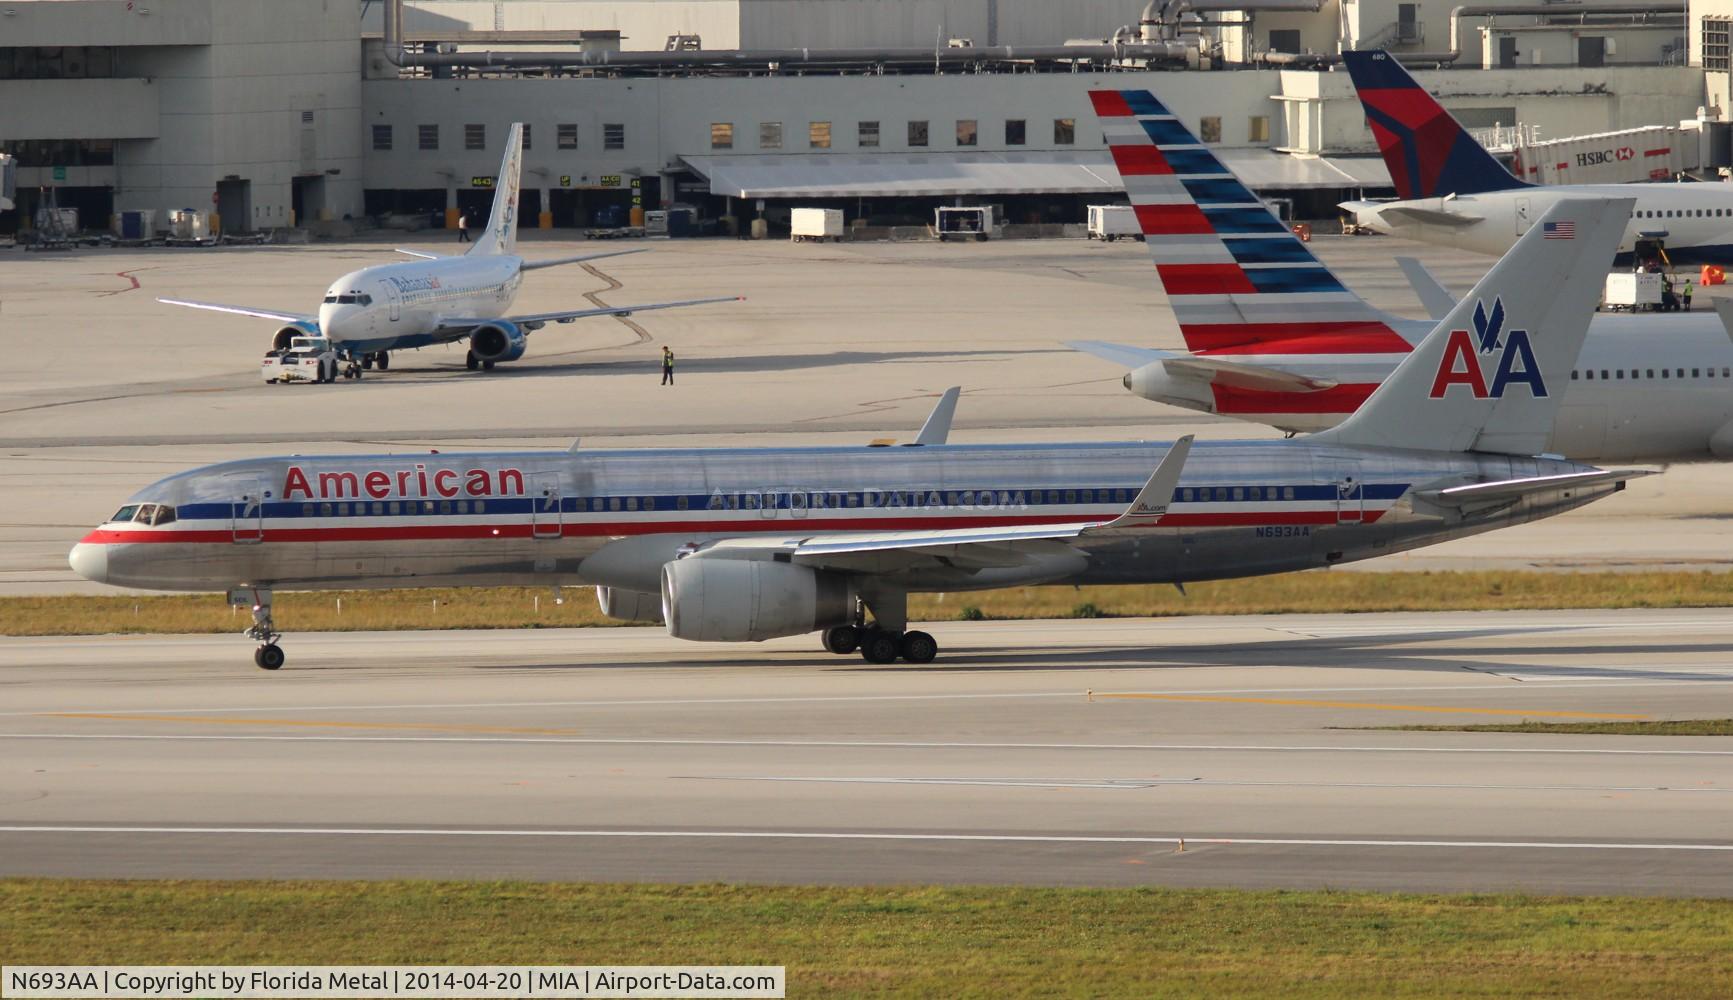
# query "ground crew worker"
(667, 366)
(1686, 295)
(463, 228)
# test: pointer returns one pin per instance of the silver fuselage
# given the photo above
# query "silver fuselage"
(614, 518)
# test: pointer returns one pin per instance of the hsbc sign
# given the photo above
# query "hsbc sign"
(1597, 157)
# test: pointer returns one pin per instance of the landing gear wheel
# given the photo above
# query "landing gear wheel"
(383, 360)
(471, 362)
(842, 640)
(919, 647)
(487, 366)
(269, 657)
(879, 647)
(366, 361)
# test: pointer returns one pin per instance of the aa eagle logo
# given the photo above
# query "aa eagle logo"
(1465, 358)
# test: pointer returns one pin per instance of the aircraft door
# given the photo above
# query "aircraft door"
(545, 518)
(1350, 496)
(247, 511)
(1524, 216)
(393, 299)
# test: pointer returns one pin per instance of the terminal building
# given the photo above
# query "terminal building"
(331, 113)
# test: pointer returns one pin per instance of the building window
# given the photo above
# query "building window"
(721, 135)
(382, 137)
(818, 135)
(1716, 43)
(429, 136)
(566, 136)
(1064, 131)
(614, 135)
(1209, 128)
(1016, 132)
(769, 135)
(1259, 129)
(867, 134)
(967, 131)
(526, 135)
(917, 133)
(475, 137)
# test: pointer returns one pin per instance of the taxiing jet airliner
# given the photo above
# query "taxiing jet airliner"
(437, 300)
(1276, 338)
(738, 545)
(1455, 194)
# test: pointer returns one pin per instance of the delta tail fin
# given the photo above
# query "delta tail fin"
(500, 236)
(1489, 377)
(1238, 280)
(1428, 152)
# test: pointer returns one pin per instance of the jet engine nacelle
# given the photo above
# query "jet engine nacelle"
(629, 605)
(1153, 382)
(498, 341)
(750, 600)
(280, 341)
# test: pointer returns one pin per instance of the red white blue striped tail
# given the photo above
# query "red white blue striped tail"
(1238, 280)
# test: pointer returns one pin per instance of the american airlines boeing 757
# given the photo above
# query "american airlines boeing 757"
(733, 545)
(369, 313)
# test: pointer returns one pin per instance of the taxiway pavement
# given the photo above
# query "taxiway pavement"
(1057, 752)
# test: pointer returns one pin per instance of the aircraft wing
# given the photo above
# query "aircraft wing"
(1724, 309)
(276, 314)
(532, 265)
(965, 547)
(1501, 490)
(458, 323)
(423, 254)
(1437, 299)
(1428, 216)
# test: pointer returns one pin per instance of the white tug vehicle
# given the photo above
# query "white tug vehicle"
(307, 359)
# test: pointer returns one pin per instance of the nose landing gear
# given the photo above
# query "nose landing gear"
(269, 655)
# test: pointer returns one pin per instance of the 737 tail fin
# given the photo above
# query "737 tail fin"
(500, 236)
(1427, 151)
(1238, 280)
(1489, 377)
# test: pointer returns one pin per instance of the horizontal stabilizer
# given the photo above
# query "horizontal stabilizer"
(423, 254)
(1228, 373)
(1724, 309)
(1516, 489)
(1428, 216)
(1120, 354)
(1434, 297)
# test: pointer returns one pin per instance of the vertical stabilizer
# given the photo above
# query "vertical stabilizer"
(500, 236)
(1237, 279)
(1489, 377)
(1428, 152)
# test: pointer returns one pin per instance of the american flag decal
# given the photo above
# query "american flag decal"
(1558, 230)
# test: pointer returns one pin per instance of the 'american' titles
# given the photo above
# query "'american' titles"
(418, 482)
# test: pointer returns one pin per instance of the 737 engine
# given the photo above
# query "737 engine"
(629, 605)
(749, 600)
(497, 341)
(280, 340)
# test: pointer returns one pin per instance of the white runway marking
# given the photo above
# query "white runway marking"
(1691, 676)
(853, 835)
(863, 744)
(1138, 783)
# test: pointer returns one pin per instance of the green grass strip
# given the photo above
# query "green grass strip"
(951, 942)
(522, 607)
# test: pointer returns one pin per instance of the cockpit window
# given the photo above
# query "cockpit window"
(160, 513)
(125, 513)
(365, 300)
(346, 299)
(331, 298)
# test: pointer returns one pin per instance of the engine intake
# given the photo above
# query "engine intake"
(280, 340)
(498, 342)
(629, 605)
(748, 600)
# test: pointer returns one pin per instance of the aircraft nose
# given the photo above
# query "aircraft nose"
(90, 560)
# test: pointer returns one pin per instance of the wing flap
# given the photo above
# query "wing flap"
(1428, 216)
(1515, 489)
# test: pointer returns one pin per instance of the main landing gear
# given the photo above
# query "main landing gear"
(885, 640)
(472, 362)
(269, 655)
(377, 359)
